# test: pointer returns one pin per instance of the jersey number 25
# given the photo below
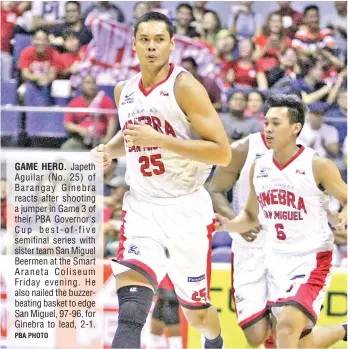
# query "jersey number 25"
(155, 162)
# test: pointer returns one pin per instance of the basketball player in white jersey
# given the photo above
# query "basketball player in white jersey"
(248, 262)
(171, 136)
(286, 197)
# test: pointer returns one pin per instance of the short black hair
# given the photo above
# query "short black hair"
(259, 93)
(309, 64)
(155, 17)
(41, 29)
(190, 60)
(75, 3)
(297, 109)
(238, 91)
(310, 7)
(185, 5)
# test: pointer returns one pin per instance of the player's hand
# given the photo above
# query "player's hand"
(341, 221)
(138, 134)
(220, 222)
(100, 157)
(251, 235)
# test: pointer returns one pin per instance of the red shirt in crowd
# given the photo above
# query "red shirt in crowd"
(244, 76)
(270, 59)
(8, 20)
(39, 65)
(69, 58)
(87, 119)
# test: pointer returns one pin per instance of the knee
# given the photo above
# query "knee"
(256, 335)
(286, 327)
(196, 317)
(256, 339)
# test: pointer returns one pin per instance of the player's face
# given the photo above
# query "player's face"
(153, 44)
(278, 130)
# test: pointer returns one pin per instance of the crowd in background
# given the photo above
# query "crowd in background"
(287, 52)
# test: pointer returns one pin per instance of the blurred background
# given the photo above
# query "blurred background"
(60, 61)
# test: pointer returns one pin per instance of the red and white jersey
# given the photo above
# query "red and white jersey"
(151, 171)
(257, 148)
(291, 205)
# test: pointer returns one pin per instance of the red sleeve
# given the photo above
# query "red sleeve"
(261, 40)
(108, 104)
(24, 59)
(69, 117)
(57, 61)
(287, 41)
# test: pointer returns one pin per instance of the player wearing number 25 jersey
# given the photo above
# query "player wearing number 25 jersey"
(287, 198)
(172, 136)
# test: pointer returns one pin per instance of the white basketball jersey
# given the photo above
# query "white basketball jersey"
(291, 204)
(155, 172)
(241, 189)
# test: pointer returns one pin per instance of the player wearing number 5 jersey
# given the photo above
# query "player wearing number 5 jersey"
(171, 135)
(286, 198)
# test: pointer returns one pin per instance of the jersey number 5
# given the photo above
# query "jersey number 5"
(156, 163)
(280, 232)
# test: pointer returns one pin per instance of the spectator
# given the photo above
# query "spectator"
(198, 11)
(311, 88)
(47, 14)
(340, 30)
(291, 18)
(316, 134)
(39, 65)
(287, 71)
(339, 110)
(244, 23)
(256, 101)
(211, 25)
(184, 17)
(269, 45)
(236, 125)
(105, 10)
(242, 71)
(72, 23)
(210, 85)
(331, 64)
(156, 6)
(311, 36)
(224, 48)
(109, 174)
(88, 129)
(140, 8)
(72, 56)
(10, 10)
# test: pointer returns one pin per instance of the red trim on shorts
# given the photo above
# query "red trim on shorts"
(143, 266)
(123, 239)
(251, 320)
(146, 93)
(166, 283)
(281, 167)
(232, 288)
(210, 229)
(308, 292)
(193, 305)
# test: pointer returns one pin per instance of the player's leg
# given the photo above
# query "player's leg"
(157, 324)
(171, 319)
(326, 336)
(304, 284)
(249, 291)
(140, 262)
(290, 324)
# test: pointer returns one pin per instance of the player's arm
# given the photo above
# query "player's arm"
(225, 177)
(214, 147)
(327, 175)
(115, 147)
(247, 219)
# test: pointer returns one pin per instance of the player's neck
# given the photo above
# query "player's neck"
(152, 77)
(283, 155)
